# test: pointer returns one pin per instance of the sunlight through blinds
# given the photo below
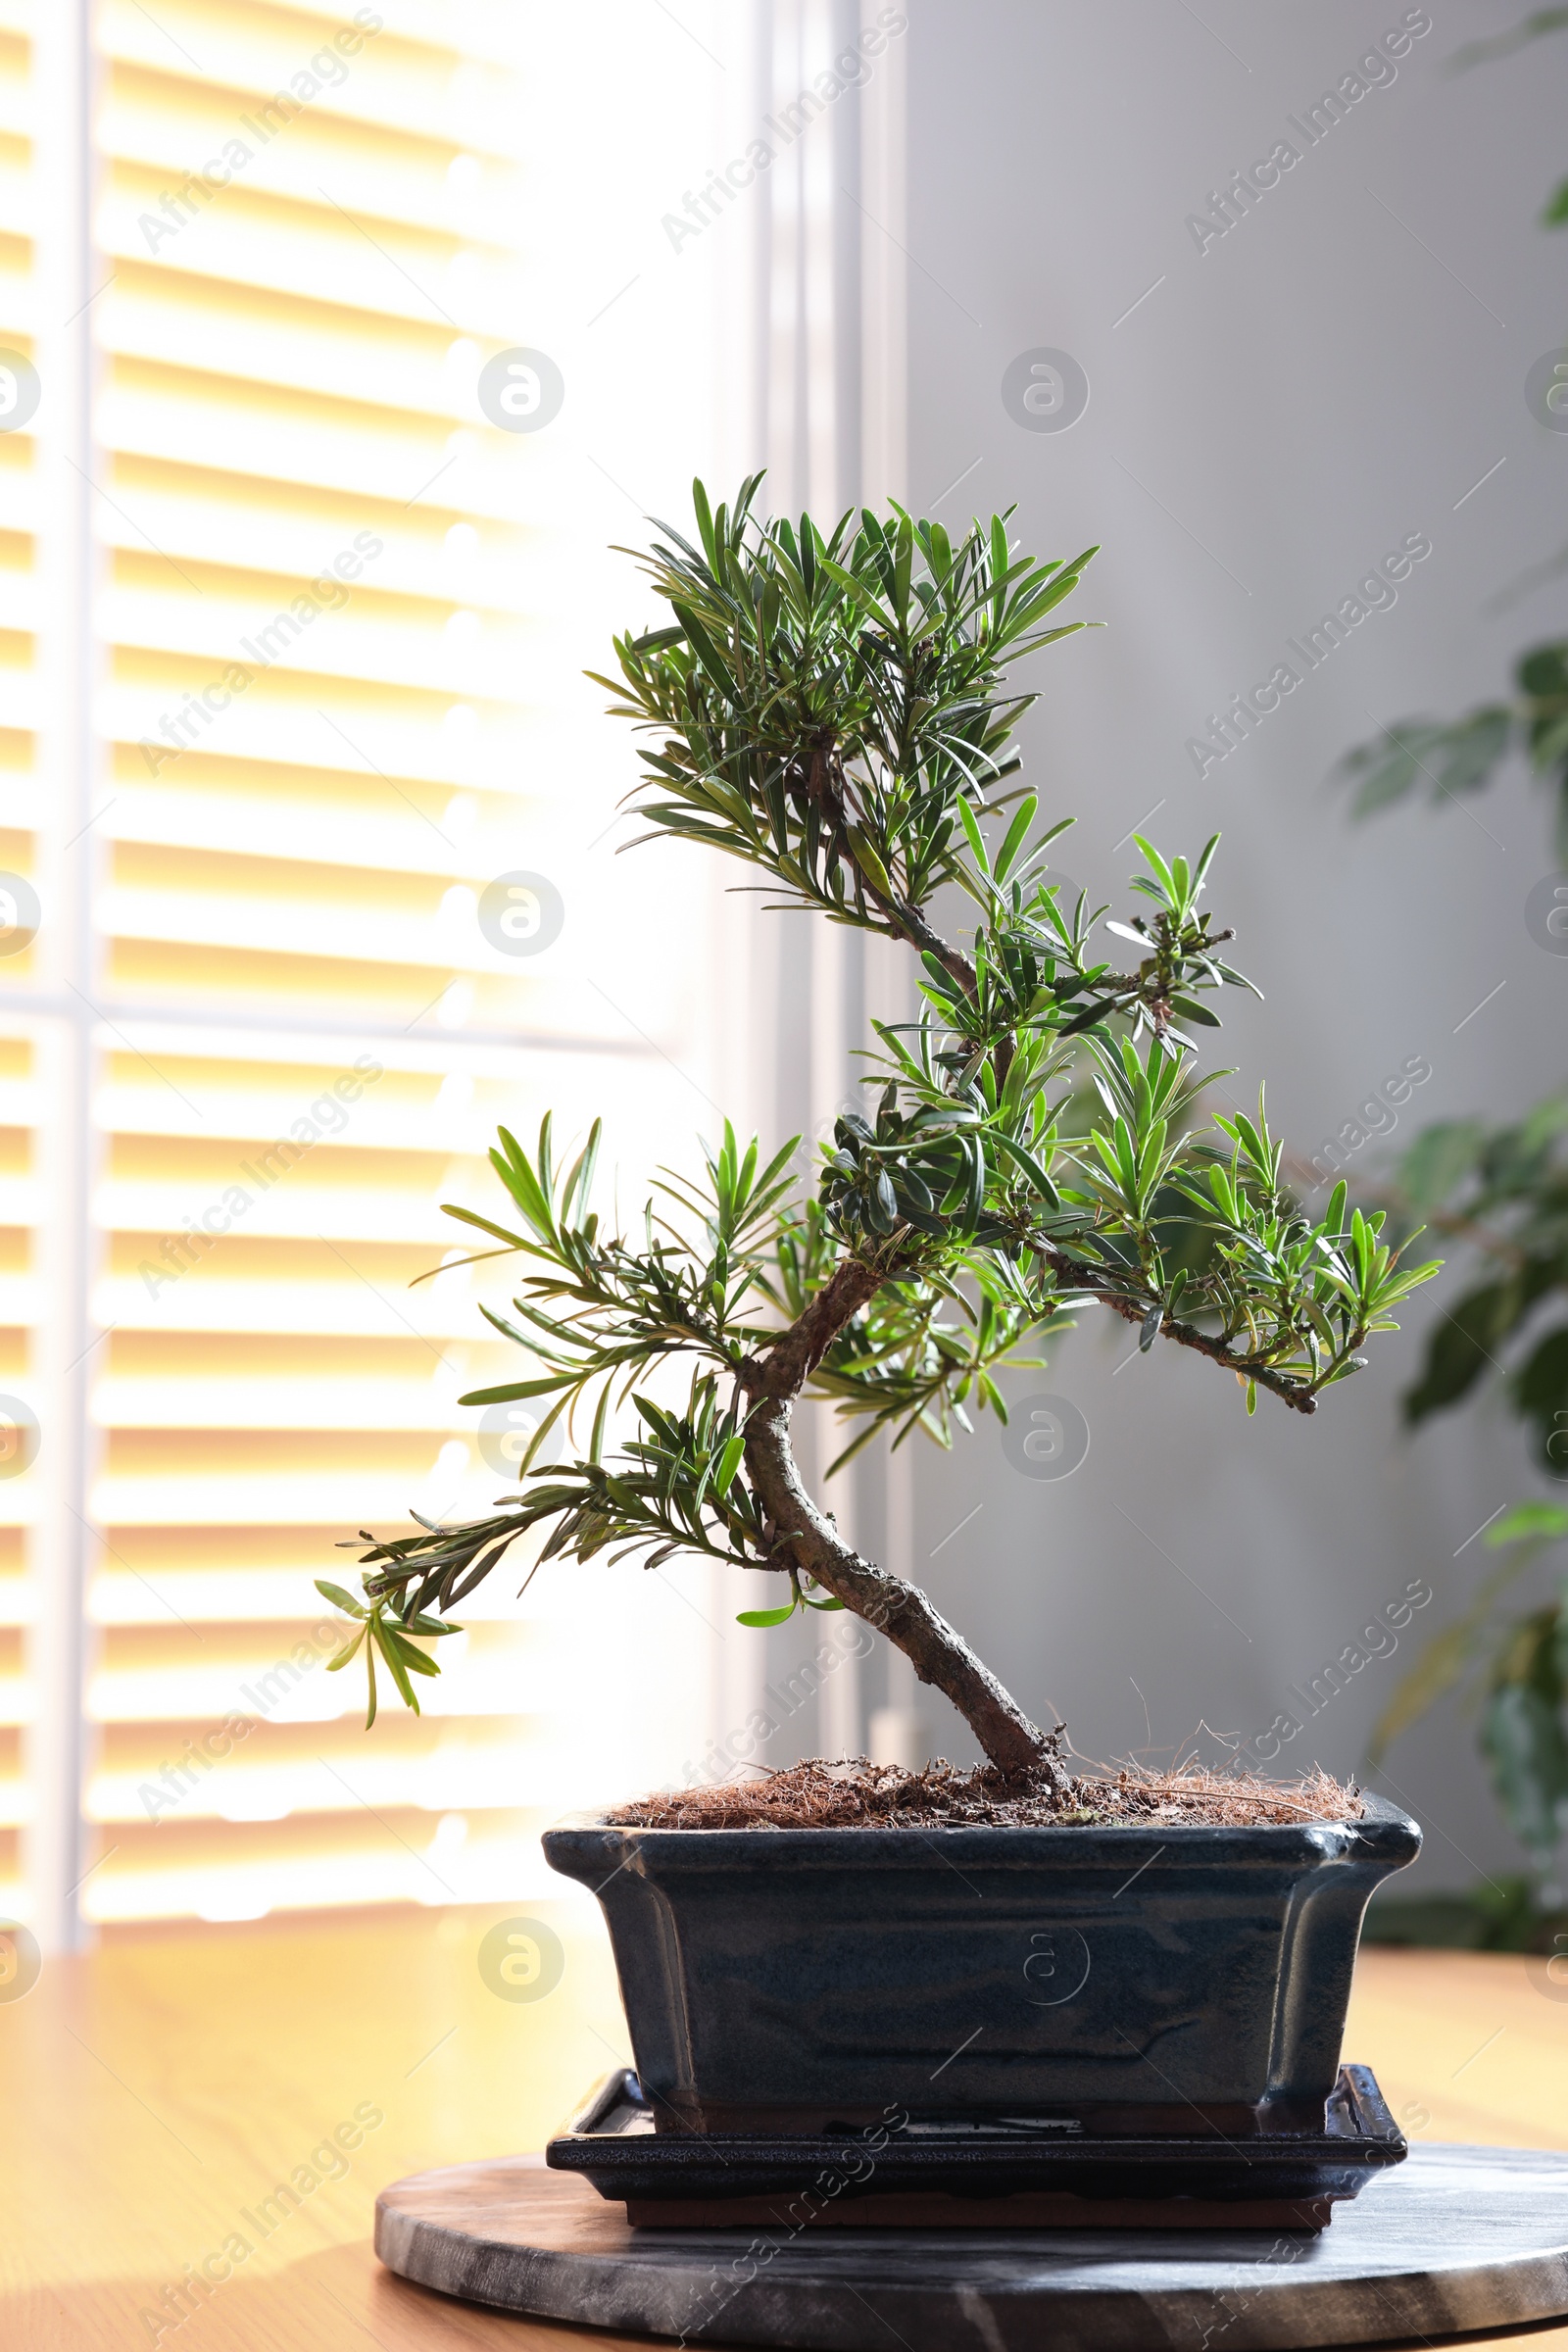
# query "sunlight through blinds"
(341, 620)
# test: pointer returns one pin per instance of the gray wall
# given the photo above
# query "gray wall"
(1282, 411)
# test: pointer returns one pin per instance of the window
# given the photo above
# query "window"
(293, 638)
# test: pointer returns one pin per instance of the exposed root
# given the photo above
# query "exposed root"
(857, 1794)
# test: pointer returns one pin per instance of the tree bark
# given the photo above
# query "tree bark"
(936, 1650)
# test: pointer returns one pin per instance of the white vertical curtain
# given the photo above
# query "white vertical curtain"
(825, 414)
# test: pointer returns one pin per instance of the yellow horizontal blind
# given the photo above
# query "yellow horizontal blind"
(19, 1209)
(20, 1105)
(343, 615)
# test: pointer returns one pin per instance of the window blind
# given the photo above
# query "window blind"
(339, 620)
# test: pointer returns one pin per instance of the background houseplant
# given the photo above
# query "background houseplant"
(1499, 1191)
(833, 710)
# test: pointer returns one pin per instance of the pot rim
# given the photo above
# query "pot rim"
(1383, 1824)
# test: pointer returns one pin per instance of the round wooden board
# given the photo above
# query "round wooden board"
(1454, 2238)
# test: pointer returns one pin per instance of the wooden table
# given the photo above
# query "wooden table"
(159, 2092)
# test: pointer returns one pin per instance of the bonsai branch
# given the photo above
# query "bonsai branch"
(936, 1650)
(908, 923)
(807, 1540)
(1284, 1385)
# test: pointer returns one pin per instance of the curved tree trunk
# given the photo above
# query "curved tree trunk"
(938, 1652)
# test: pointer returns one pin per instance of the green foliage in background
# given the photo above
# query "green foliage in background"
(1500, 1192)
(1441, 758)
(1516, 1668)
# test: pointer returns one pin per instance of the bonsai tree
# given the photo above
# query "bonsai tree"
(833, 710)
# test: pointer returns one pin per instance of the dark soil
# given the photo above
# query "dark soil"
(857, 1794)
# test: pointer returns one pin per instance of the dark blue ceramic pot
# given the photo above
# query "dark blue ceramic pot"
(789, 1978)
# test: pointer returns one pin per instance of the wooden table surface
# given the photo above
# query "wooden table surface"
(157, 2091)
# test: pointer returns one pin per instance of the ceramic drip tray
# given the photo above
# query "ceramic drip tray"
(989, 2172)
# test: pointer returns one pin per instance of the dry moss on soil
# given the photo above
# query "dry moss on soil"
(857, 1794)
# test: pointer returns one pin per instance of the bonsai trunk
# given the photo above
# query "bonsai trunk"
(936, 1650)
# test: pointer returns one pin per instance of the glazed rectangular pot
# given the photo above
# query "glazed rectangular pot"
(790, 1979)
